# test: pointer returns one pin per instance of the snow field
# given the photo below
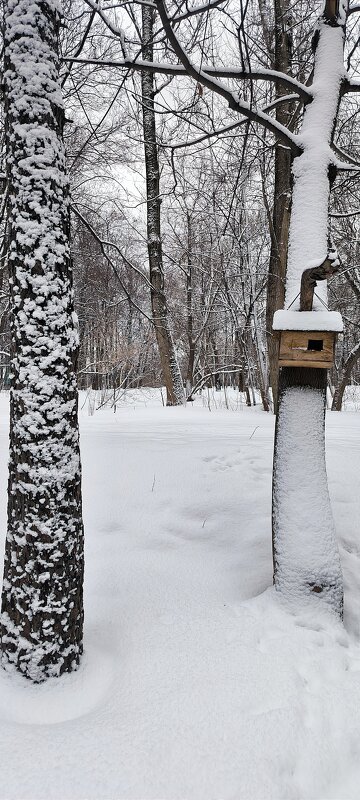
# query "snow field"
(196, 682)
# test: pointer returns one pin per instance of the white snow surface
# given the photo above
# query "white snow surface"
(308, 321)
(196, 681)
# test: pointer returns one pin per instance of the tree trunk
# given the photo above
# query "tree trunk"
(349, 365)
(282, 196)
(42, 609)
(189, 311)
(169, 365)
(304, 550)
(306, 559)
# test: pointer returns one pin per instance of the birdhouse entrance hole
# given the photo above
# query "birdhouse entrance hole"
(307, 349)
(315, 344)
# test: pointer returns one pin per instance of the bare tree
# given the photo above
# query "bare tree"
(169, 364)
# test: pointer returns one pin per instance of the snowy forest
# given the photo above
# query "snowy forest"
(222, 184)
(180, 328)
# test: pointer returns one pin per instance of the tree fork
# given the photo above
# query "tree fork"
(309, 279)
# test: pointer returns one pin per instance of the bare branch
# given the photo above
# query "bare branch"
(349, 165)
(197, 10)
(350, 86)
(118, 32)
(80, 46)
(103, 244)
(349, 214)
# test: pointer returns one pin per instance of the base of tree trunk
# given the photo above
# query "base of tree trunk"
(305, 554)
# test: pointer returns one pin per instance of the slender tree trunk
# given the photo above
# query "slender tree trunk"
(349, 365)
(42, 610)
(306, 559)
(169, 365)
(282, 195)
(189, 310)
(239, 358)
(190, 369)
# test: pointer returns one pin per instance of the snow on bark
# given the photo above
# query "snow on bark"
(308, 238)
(306, 560)
(42, 613)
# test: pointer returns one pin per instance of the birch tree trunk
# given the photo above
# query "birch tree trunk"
(169, 365)
(305, 552)
(42, 609)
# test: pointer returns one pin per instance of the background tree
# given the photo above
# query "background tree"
(169, 365)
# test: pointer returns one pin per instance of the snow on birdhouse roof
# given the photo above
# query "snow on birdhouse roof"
(308, 321)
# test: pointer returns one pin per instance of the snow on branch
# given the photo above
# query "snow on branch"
(215, 85)
(197, 10)
(348, 214)
(344, 162)
(166, 68)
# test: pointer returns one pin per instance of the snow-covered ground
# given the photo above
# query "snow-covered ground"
(195, 684)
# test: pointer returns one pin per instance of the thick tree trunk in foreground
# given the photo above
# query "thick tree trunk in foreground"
(169, 365)
(306, 560)
(42, 609)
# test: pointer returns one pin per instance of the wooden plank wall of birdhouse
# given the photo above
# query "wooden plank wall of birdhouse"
(294, 349)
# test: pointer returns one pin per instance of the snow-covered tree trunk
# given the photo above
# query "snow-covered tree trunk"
(306, 557)
(42, 610)
(169, 364)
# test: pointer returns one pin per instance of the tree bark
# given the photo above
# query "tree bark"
(189, 311)
(309, 280)
(282, 196)
(169, 365)
(42, 608)
(306, 559)
(346, 371)
(305, 556)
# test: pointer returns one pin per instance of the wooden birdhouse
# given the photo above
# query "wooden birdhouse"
(307, 338)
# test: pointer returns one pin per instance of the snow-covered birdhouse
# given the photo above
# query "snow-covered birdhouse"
(307, 338)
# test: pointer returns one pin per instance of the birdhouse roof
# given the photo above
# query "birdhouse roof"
(308, 321)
